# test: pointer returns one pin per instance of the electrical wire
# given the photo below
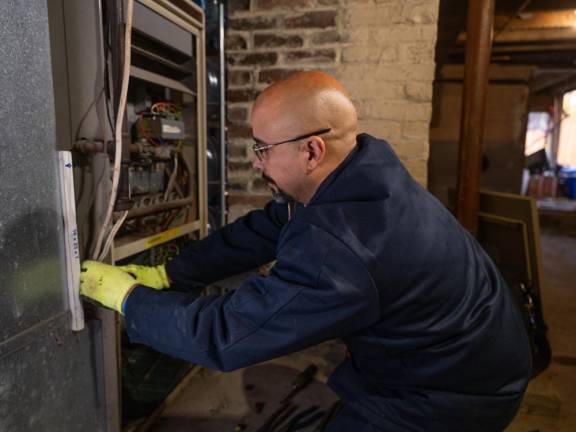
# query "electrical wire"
(118, 134)
(172, 179)
(113, 233)
(85, 115)
(105, 92)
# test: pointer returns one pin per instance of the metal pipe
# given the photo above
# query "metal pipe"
(191, 214)
(156, 208)
(223, 210)
(478, 50)
(85, 146)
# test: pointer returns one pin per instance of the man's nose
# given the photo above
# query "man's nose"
(257, 164)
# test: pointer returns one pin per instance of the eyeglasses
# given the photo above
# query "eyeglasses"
(261, 148)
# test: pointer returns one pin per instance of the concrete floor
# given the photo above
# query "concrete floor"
(215, 402)
(550, 402)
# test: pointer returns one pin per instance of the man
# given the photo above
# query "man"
(364, 254)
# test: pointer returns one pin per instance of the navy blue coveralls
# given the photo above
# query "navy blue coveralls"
(435, 340)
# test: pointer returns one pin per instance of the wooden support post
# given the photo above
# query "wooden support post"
(478, 50)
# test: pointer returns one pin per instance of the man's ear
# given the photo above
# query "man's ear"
(316, 151)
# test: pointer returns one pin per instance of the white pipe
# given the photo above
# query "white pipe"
(223, 209)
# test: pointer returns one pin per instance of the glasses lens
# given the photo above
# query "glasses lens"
(257, 151)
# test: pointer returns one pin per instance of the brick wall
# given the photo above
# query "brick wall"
(382, 51)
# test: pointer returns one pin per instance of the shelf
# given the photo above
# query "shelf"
(128, 246)
(160, 80)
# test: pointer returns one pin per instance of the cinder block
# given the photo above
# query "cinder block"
(372, 16)
(373, 92)
(416, 130)
(420, 13)
(389, 111)
(382, 53)
(417, 112)
(418, 92)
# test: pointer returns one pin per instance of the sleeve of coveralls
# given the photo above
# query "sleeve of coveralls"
(238, 247)
(313, 294)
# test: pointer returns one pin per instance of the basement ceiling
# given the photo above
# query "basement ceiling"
(541, 33)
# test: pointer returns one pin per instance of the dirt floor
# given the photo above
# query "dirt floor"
(242, 400)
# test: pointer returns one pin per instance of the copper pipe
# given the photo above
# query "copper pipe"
(478, 50)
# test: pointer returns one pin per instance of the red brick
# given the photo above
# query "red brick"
(239, 131)
(253, 23)
(239, 77)
(239, 166)
(237, 115)
(235, 42)
(317, 19)
(241, 95)
(253, 59)
(282, 4)
(316, 56)
(237, 151)
(237, 187)
(267, 40)
(269, 76)
(238, 6)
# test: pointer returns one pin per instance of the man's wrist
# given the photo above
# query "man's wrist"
(123, 305)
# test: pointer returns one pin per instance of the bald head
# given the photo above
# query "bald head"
(305, 102)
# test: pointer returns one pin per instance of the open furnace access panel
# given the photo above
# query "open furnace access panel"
(158, 200)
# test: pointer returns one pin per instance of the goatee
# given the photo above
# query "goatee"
(278, 194)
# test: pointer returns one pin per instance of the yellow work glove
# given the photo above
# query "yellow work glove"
(106, 284)
(153, 277)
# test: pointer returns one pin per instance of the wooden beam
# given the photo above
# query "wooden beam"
(478, 50)
(537, 20)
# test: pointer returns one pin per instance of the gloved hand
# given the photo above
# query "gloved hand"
(106, 284)
(151, 276)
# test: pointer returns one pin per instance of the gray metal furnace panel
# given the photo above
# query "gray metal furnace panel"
(149, 22)
(49, 380)
(31, 276)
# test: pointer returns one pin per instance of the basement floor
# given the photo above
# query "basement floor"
(243, 400)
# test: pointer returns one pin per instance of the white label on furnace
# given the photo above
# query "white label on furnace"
(166, 128)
